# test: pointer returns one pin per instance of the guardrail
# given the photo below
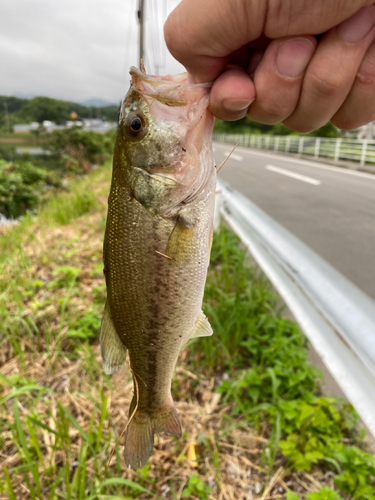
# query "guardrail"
(361, 151)
(337, 317)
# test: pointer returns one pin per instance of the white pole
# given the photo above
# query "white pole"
(337, 149)
(300, 145)
(317, 147)
(364, 151)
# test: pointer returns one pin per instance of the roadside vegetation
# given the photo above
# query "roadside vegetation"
(255, 423)
(247, 126)
(28, 181)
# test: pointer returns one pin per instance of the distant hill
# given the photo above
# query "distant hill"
(24, 96)
(94, 102)
(42, 108)
(97, 103)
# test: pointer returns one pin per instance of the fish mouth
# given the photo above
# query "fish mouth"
(172, 91)
(181, 79)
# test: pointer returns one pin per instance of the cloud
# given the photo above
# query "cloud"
(76, 49)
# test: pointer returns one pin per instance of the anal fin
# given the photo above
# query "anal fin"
(202, 327)
(112, 348)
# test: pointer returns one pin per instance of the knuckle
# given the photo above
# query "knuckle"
(366, 75)
(176, 42)
(272, 112)
(169, 36)
(325, 85)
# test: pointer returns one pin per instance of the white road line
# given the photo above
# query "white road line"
(288, 173)
(289, 159)
(233, 156)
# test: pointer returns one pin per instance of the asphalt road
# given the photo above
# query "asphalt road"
(330, 209)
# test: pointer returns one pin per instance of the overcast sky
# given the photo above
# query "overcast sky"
(78, 49)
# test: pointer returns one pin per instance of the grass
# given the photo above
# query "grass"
(250, 404)
(84, 196)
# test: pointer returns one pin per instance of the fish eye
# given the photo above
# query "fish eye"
(135, 125)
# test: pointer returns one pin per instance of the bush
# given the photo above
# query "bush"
(77, 151)
(22, 187)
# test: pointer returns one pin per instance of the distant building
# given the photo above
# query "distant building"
(24, 129)
(94, 124)
(366, 131)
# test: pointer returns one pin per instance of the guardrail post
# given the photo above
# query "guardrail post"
(317, 147)
(364, 151)
(287, 144)
(259, 142)
(337, 150)
(300, 145)
(276, 145)
(267, 141)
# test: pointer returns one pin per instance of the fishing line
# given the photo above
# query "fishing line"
(154, 35)
(128, 39)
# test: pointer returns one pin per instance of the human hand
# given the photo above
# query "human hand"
(302, 62)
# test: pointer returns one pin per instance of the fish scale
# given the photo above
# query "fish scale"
(157, 245)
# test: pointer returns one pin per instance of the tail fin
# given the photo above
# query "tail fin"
(139, 441)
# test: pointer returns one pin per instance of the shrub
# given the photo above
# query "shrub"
(22, 186)
(77, 150)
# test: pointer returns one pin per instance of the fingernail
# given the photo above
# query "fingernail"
(237, 104)
(293, 56)
(357, 27)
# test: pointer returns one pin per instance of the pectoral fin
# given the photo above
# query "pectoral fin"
(202, 328)
(112, 348)
(181, 240)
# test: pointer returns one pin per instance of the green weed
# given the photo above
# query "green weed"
(270, 379)
(195, 488)
(64, 208)
(324, 494)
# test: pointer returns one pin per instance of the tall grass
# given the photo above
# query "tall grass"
(60, 415)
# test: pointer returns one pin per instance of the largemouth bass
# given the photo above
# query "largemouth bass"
(157, 245)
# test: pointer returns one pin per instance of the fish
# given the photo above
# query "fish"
(157, 245)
